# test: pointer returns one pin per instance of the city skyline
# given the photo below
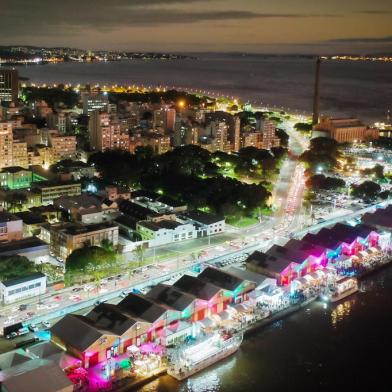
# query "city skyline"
(170, 25)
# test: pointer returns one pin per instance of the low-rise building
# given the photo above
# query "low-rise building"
(16, 177)
(236, 289)
(33, 248)
(381, 219)
(50, 191)
(34, 374)
(65, 238)
(345, 130)
(13, 290)
(206, 224)
(283, 270)
(165, 231)
(11, 227)
(32, 223)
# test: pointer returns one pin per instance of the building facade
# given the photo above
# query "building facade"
(13, 290)
(9, 84)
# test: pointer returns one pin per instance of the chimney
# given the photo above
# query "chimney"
(316, 97)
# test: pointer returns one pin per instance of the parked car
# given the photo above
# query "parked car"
(23, 331)
(46, 324)
(33, 328)
(11, 335)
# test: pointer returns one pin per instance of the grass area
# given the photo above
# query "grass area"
(150, 260)
(242, 222)
(266, 211)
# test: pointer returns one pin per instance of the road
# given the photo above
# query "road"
(287, 200)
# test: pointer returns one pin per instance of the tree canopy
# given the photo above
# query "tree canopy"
(15, 267)
(368, 190)
(322, 153)
(87, 257)
(194, 175)
(319, 181)
(303, 127)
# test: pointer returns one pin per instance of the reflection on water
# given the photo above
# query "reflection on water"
(209, 380)
(342, 311)
(335, 348)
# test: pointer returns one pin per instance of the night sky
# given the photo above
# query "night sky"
(298, 26)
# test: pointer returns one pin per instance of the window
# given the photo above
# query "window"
(38, 284)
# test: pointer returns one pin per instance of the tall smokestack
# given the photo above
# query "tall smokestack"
(316, 98)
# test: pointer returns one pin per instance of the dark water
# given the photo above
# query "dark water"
(344, 347)
(363, 89)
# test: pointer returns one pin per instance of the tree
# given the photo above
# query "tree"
(89, 257)
(15, 267)
(283, 137)
(319, 181)
(15, 200)
(367, 190)
(139, 254)
(303, 127)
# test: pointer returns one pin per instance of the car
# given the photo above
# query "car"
(123, 294)
(22, 307)
(97, 302)
(11, 335)
(76, 289)
(33, 328)
(46, 324)
(42, 306)
(23, 331)
(30, 314)
(52, 306)
(75, 298)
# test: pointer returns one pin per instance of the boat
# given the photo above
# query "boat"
(200, 356)
(344, 287)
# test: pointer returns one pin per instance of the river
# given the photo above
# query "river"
(338, 347)
(363, 89)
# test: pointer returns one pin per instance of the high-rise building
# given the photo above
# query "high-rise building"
(59, 121)
(42, 109)
(269, 139)
(159, 143)
(237, 134)
(9, 84)
(106, 133)
(251, 139)
(192, 135)
(63, 146)
(170, 119)
(93, 102)
(19, 154)
(6, 141)
(220, 141)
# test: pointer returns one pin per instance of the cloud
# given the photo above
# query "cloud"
(69, 17)
(375, 12)
(365, 40)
